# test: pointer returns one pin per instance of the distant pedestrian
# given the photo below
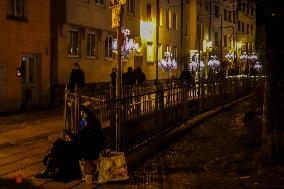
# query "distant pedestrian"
(186, 75)
(139, 75)
(113, 77)
(128, 78)
(77, 78)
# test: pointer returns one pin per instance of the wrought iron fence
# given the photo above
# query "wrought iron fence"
(146, 111)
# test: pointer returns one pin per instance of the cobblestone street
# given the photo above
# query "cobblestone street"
(205, 157)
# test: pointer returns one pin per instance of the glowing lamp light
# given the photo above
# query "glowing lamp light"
(214, 62)
(168, 64)
(244, 57)
(252, 57)
(230, 56)
(257, 66)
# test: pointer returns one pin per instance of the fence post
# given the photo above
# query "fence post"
(66, 114)
(159, 105)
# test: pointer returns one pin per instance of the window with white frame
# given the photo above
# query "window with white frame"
(130, 6)
(108, 47)
(92, 45)
(17, 9)
(73, 47)
(150, 52)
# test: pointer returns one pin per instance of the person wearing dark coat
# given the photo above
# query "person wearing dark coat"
(62, 160)
(128, 78)
(77, 77)
(113, 77)
(140, 76)
(186, 75)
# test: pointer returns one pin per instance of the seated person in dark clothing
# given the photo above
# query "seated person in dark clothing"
(62, 160)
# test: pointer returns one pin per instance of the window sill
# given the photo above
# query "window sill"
(72, 56)
(16, 18)
(108, 59)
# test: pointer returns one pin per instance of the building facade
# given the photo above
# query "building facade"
(219, 27)
(25, 54)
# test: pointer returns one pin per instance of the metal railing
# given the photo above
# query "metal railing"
(147, 111)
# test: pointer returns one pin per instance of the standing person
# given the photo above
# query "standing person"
(128, 78)
(140, 76)
(113, 77)
(186, 75)
(77, 77)
(62, 160)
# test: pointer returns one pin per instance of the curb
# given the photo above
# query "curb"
(163, 141)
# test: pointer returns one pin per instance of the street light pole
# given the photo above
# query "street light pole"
(157, 39)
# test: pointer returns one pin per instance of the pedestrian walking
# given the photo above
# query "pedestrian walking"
(77, 78)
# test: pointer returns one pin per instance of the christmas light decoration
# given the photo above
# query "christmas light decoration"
(214, 62)
(128, 44)
(168, 64)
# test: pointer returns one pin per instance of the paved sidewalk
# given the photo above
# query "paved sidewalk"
(38, 126)
(16, 128)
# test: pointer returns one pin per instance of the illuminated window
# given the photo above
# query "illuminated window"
(17, 9)
(92, 45)
(108, 47)
(73, 47)
(150, 52)
(160, 52)
(161, 16)
(168, 20)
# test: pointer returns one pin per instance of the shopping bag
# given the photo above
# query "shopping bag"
(112, 167)
(88, 167)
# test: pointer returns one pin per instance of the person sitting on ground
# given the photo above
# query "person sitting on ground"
(62, 160)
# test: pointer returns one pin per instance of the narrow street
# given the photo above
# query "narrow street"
(208, 156)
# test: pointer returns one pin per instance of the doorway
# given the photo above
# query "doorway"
(30, 70)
